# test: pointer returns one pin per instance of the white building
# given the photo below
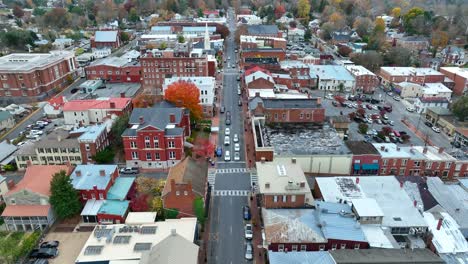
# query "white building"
(422, 103)
(329, 77)
(413, 90)
(387, 19)
(206, 85)
(101, 52)
(296, 34)
(249, 19)
(91, 111)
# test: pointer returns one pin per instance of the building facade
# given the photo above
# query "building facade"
(366, 81)
(93, 111)
(391, 75)
(459, 76)
(114, 70)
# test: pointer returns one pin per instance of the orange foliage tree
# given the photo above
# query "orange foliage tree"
(143, 101)
(185, 94)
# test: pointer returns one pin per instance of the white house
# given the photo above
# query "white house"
(7, 120)
(295, 34)
(101, 52)
(331, 76)
(54, 106)
(206, 85)
(422, 103)
(92, 111)
(436, 90)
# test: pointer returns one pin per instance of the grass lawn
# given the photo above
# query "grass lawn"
(15, 245)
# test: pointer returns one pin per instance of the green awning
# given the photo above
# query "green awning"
(373, 166)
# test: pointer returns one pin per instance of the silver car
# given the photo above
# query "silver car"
(249, 251)
(236, 138)
(248, 231)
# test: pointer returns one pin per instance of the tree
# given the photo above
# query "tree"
(124, 36)
(180, 38)
(337, 20)
(439, 39)
(223, 31)
(326, 30)
(307, 35)
(372, 60)
(157, 206)
(279, 10)
(162, 46)
(362, 25)
(18, 11)
(57, 18)
(398, 56)
(344, 50)
(417, 21)
(133, 15)
(171, 213)
(117, 129)
(185, 94)
(396, 12)
(149, 186)
(303, 9)
(143, 101)
(203, 147)
(105, 156)
(379, 25)
(140, 203)
(363, 128)
(39, 11)
(200, 12)
(199, 209)
(64, 198)
(460, 108)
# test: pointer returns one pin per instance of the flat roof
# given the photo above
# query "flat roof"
(361, 147)
(331, 72)
(92, 132)
(120, 188)
(433, 154)
(358, 70)
(385, 256)
(85, 177)
(448, 239)
(25, 62)
(379, 237)
(435, 88)
(112, 207)
(137, 218)
(367, 207)
(398, 208)
(391, 150)
(405, 71)
(300, 257)
(92, 207)
(463, 72)
(140, 239)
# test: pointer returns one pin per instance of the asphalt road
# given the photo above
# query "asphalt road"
(232, 181)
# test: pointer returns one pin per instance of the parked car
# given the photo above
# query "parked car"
(236, 147)
(377, 139)
(246, 213)
(239, 103)
(335, 103)
(228, 121)
(427, 123)
(387, 139)
(50, 244)
(368, 106)
(397, 134)
(378, 121)
(219, 151)
(129, 170)
(249, 251)
(239, 92)
(44, 253)
(222, 110)
(385, 116)
(30, 136)
(39, 261)
(396, 98)
(227, 140)
(236, 156)
(236, 138)
(248, 231)
(436, 129)
(227, 131)
(41, 123)
(227, 155)
(36, 132)
(410, 109)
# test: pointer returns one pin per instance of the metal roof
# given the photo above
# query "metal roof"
(105, 36)
(300, 257)
(90, 176)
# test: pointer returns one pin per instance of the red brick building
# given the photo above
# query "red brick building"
(366, 81)
(278, 110)
(35, 76)
(106, 39)
(252, 42)
(114, 69)
(272, 53)
(94, 181)
(258, 78)
(366, 159)
(459, 76)
(93, 140)
(156, 136)
(391, 75)
(185, 182)
(158, 65)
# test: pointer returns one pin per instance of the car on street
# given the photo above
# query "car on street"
(236, 156)
(396, 98)
(246, 213)
(227, 140)
(368, 106)
(236, 147)
(378, 121)
(42, 123)
(427, 123)
(239, 103)
(236, 138)
(129, 170)
(34, 137)
(385, 116)
(36, 132)
(44, 253)
(219, 151)
(248, 231)
(222, 110)
(227, 155)
(375, 107)
(248, 251)
(227, 131)
(390, 122)
(436, 129)
(228, 121)
(389, 93)
(50, 244)
(410, 109)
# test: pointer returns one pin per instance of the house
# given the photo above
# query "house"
(459, 76)
(304, 229)
(296, 34)
(27, 203)
(93, 139)
(156, 136)
(461, 136)
(92, 111)
(430, 90)
(413, 43)
(7, 121)
(6, 153)
(114, 70)
(124, 243)
(408, 89)
(185, 182)
(258, 78)
(333, 77)
(453, 55)
(106, 39)
(285, 110)
(61, 43)
(283, 185)
(366, 81)
(366, 158)
(54, 107)
(391, 75)
(422, 103)
(94, 181)
(206, 86)
(138, 218)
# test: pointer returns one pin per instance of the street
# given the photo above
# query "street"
(232, 180)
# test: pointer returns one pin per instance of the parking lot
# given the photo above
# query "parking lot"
(70, 246)
(398, 113)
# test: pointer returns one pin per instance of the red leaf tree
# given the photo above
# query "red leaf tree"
(203, 147)
(185, 94)
(279, 10)
(140, 203)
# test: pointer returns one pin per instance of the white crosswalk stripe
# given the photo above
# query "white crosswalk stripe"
(211, 177)
(232, 170)
(231, 193)
(253, 179)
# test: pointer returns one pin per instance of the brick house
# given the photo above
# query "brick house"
(453, 55)
(258, 78)
(366, 81)
(279, 110)
(414, 43)
(26, 76)
(289, 230)
(185, 182)
(158, 65)
(392, 75)
(106, 39)
(92, 111)
(156, 136)
(114, 70)
(459, 76)
(283, 185)
(366, 159)
(93, 140)
(27, 202)
(94, 181)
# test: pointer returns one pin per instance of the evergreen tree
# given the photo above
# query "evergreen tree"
(64, 198)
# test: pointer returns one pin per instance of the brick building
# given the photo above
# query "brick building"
(279, 110)
(413, 43)
(459, 76)
(114, 69)
(94, 181)
(264, 31)
(185, 182)
(156, 136)
(258, 78)
(283, 185)
(106, 39)
(264, 53)
(158, 65)
(366, 81)
(253, 42)
(392, 75)
(366, 159)
(35, 76)
(92, 111)
(92, 140)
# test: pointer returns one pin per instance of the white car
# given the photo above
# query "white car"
(227, 140)
(436, 129)
(239, 92)
(227, 156)
(236, 156)
(236, 138)
(227, 132)
(248, 231)
(375, 107)
(36, 132)
(42, 123)
(396, 98)
(249, 251)
(410, 109)
(236, 147)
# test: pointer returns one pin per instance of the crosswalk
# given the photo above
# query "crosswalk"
(232, 170)
(253, 179)
(231, 193)
(211, 176)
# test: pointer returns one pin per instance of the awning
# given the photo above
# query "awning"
(357, 166)
(373, 166)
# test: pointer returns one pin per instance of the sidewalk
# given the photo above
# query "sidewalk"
(259, 251)
(248, 136)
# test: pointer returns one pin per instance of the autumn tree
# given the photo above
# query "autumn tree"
(241, 30)
(143, 101)
(223, 31)
(185, 94)
(344, 50)
(396, 12)
(337, 20)
(439, 40)
(18, 11)
(379, 25)
(279, 10)
(417, 21)
(372, 60)
(460, 108)
(303, 9)
(398, 56)
(57, 18)
(140, 203)
(362, 25)
(149, 186)
(203, 147)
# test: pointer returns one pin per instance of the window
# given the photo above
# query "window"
(385, 162)
(281, 247)
(428, 165)
(148, 156)
(322, 247)
(185, 193)
(343, 246)
(417, 163)
(172, 155)
(133, 144)
(147, 144)
(334, 246)
(293, 198)
(93, 196)
(402, 172)
(356, 246)
(177, 193)
(4, 77)
(285, 198)
(303, 247)
(101, 196)
(87, 147)
(403, 162)
(294, 247)
(284, 116)
(448, 164)
(301, 116)
(134, 155)
(307, 116)
(276, 116)
(147, 138)
(156, 156)
(275, 198)
(156, 142)
(20, 77)
(83, 195)
(445, 174)
(171, 144)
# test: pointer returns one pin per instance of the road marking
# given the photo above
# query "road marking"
(254, 179)
(231, 193)
(232, 170)
(212, 177)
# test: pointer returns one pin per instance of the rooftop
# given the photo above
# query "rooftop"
(26, 210)
(169, 251)
(92, 133)
(120, 188)
(111, 61)
(92, 207)
(6, 149)
(300, 257)
(385, 256)
(331, 72)
(262, 29)
(197, 80)
(358, 70)
(442, 111)
(367, 207)
(434, 153)
(463, 72)
(138, 218)
(120, 243)
(284, 103)
(361, 148)
(25, 62)
(112, 207)
(105, 36)
(447, 239)
(99, 103)
(85, 177)
(416, 188)
(436, 88)
(390, 150)
(398, 208)
(188, 170)
(379, 237)
(5, 115)
(282, 178)
(406, 71)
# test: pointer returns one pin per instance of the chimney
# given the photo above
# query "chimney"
(415, 203)
(425, 150)
(28, 163)
(382, 148)
(173, 185)
(142, 120)
(293, 160)
(78, 173)
(173, 232)
(257, 94)
(102, 172)
(439, 224)
(441, 150)
(263, 160)
(112, 105)
(253, 77)
(401, 184)
(398, 148)
(172, 118)
(122, 95)
(302, 184)
(267, 185)
(357, 180)
(11, 184)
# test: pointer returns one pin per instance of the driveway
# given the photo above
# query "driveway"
(70, 245)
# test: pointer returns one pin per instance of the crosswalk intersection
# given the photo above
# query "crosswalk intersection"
(231, 193)
(232, 170)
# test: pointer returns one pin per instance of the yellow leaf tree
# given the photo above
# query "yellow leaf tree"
(379, 25)
(303, 9)
(396, 12)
